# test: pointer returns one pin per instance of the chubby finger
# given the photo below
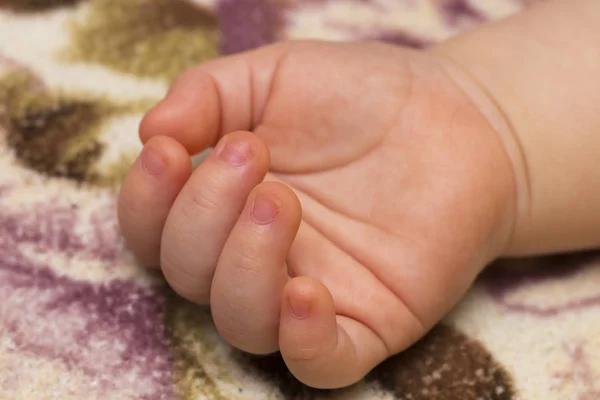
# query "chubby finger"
(206, 211)
(251, 273)
(321, 349)
(147, 194)
(217, 97)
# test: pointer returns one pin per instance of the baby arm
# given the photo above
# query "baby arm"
(541, 70)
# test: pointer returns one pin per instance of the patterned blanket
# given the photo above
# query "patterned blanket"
(80, 320)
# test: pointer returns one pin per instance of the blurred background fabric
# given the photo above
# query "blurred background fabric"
(80, 320)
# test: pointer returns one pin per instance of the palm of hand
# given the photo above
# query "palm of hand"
(392, 166)
(402, 201)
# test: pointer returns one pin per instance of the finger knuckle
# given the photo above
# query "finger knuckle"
(189, 284)
(248, 263)
(205, 199)
(302, 354)
(128, 207)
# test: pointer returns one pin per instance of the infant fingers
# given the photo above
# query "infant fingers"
(251, 273)
(147, 194)
(219, 96)
(321, 349)
(206, 211)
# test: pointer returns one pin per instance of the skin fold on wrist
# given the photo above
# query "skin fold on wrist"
(492, 112)
(536, 71)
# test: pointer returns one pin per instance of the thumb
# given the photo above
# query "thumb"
(322, 349)
(208, 101)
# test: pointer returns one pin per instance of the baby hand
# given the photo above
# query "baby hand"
(367, 198)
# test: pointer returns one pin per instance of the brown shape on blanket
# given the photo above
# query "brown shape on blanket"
(42, 128)
(146, 38)
(272, 369)
(186, 327)
(36, 5)
(445, 365)
(55, 134)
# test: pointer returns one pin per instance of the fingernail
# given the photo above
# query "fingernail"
(234, 153)
(264, 210)
(300, 308)
(152, 163)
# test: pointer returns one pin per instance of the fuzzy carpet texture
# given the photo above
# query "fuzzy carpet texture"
(79, 320)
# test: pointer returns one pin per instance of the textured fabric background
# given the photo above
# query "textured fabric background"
(79, 320)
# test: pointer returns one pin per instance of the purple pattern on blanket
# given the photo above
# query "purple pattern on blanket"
(461, 13)
(53, 228)
(580, 372)
(110, 331)
(501, 281)
(247, 24)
